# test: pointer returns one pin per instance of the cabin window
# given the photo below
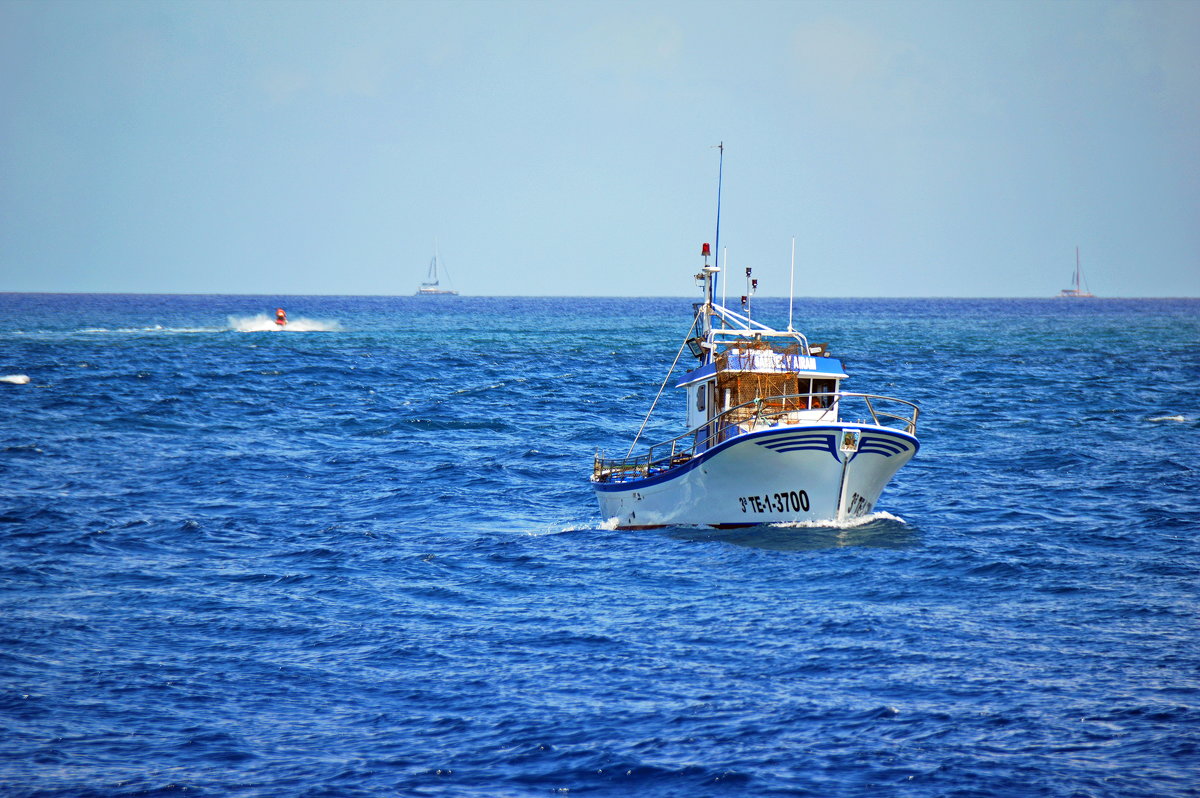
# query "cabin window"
(823, 387)
(701, 390)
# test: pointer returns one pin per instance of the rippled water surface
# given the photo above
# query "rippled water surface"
(361, 557)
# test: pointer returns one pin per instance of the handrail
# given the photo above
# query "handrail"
(716, 430)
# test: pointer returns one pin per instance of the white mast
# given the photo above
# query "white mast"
(792, 285)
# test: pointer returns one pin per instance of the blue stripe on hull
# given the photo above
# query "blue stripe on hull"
(885, 442)
(822, 441)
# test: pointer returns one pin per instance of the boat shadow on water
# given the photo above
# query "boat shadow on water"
(881, 532)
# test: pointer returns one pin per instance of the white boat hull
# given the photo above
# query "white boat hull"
(785, 474)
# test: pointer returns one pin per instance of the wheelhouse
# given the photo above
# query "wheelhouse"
(781, 378)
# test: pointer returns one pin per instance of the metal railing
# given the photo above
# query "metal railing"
(786, 409)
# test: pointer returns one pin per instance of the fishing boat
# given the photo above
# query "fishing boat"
(1078, 289)
(771, 436)
(431, 286)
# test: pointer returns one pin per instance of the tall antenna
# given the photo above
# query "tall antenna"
(724, 265)
(720, 174)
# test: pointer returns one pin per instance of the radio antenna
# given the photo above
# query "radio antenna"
(720, 174)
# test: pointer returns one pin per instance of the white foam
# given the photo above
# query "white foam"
(157, 328)
(1170, 418)
(611, 524)
(849, 523)
(555, 530)
(264, 323)
(566, 526)
(16, 379)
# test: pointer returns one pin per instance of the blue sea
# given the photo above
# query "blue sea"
(361, 557)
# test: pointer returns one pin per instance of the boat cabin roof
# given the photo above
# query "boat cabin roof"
(766, 361)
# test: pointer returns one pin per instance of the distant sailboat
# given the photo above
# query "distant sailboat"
(1078, 289)
(430, 287)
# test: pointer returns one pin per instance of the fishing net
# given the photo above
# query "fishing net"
(758, 370)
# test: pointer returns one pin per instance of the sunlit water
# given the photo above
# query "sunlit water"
(360, 556)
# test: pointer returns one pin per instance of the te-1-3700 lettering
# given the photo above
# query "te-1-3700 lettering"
(782, 502)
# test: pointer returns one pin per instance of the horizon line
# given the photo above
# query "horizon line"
(557, 296)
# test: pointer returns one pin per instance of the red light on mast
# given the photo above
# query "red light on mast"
(705, 252)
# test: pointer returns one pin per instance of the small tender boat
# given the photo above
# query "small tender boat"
(1078, 289)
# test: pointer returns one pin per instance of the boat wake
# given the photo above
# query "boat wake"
(612, 524)
(849, 523)
(874, 530)
(157, 328)
(260, 323)
(264, 323)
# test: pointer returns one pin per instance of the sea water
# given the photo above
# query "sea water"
(360, 556)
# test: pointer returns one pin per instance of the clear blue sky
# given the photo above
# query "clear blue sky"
(912, 148)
